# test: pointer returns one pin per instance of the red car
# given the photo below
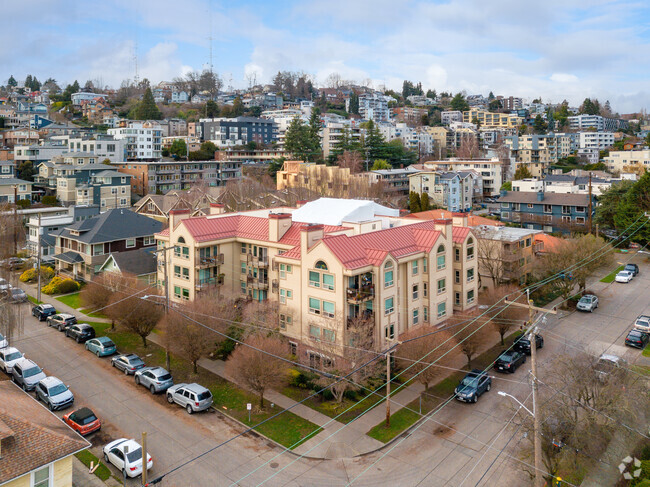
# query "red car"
(83, 421)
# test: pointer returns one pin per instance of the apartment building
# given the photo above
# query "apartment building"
(409, 115)
(39, 153)
(550, 212)
(19, 136)
(617, 161)
(601, 124)
(596, 140)
(417, 139)
(325, 277)
(396, 181)
(163, 176)
(227, 132)
(143, 140)
(81, 248)
(321, 179)
(93, 184)
(505, 254)
(374, 106)
(453, 191)
(511, 102)
(492, 171)
(334, 133)
(544, 149)
(492, 120)
(449, 116)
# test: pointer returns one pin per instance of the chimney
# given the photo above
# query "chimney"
(445, 226)
(175, 216)
(300, 203)
(540, 196)
(460, 219)
(217, 209)
(310, 234)
(279, 223)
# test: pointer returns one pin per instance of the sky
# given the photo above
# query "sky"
(553, 49)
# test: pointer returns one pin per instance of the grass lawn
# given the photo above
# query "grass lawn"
(288, 429)
(435, 396)
(646, 351)
(86, 457)
(610, 277)
(72, 300)
(32, 299)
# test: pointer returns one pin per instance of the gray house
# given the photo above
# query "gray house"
(550, 212)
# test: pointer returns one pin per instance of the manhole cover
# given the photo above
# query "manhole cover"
(274, 465)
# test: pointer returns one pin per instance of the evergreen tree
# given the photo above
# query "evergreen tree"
(237, 107)
(630, 211)
(12, 81)
(414, 202)
(458, 102)
(146, 109)
(354, 103)
(432, 94)
(296, 140)
(491, 96)
(373, 142)
(313, 137)
(562, 114)
(211, 109)
(75, 86)
(178, 148)
(425, 204)
(539, 125)
(522, 172)
(590, 107)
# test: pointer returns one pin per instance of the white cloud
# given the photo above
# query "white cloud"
(564, 78)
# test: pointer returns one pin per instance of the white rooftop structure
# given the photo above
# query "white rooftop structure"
(335, 211)
(503, 234)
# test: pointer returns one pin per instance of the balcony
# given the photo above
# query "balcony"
(366, 316)
(260, 284)
(360, 295)
(275, 286)
(210, 261)
(258, 261)
(209, 282)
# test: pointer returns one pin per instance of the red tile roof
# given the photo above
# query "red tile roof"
(549, 242)
(472, 220)
(459, 234)
(371, 248)
(205, 229)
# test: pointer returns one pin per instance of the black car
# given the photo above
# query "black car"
(61, 321)
(473, 385)
(637, 339)
(80, 332)
(509, 360)
(633, 268)
(42, 311)
(522, 344)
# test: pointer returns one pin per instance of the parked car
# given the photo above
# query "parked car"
(3, 341)
(26, 374)
(8, 357)
(637, 339)
(609, 364)
(54, 393)
(588, 302)
(642, 323)
(156, 379)
(80, 332)
(193, 397)
(126, 455)
(522, 344)
(101, 346)
(61, 321)
(83, 421)
(4, 285)
(13, 263)
(42, 311)
(17, 295)
(624, 276)
(473, 385)
(509, 361)
(127, 363)
(633, 268)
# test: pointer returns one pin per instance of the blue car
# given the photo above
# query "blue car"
(101, 346)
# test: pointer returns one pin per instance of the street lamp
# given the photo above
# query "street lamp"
(501, 393)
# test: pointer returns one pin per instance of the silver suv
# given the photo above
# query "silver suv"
(26, 374)
(193, 397)
(54, 393)
(156, 379)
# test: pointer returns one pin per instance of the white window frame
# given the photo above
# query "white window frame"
(50, 478)
(130, 246)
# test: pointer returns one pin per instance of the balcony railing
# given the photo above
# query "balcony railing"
(211, 261)
(260, 284)
(209, 282)
(258, 261)
(359, 295)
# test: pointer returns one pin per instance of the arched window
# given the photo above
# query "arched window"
(181, 250)
(181, 240)
(321, 265)
(441, 258)
(388, 274)
(470, 248)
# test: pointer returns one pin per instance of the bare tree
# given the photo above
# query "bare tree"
(426, 340)
(504, 318)
(471, 337)
(187, 338)
(258, 315)
(333, 80)
(134, 314)
(12, 234)
(257, 370)
(351, 160)
(468, 148)
(490, 257)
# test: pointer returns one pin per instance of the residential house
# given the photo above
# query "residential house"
(505, 254)
(45, 226)
(180, 97)
(493, 171)
(141, 264)
(96, 109)
(325, 277)
(14, 189)
(22, 136)
(550, 212)
(459, 219)
(78, 98)
(453, 191)
(39, 153)
(81, 248)
(93, 184)
(197, 200)
(37, 447)
(7, 169)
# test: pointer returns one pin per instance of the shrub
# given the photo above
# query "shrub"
(303, 380)
(50, 200)
(31, 275)
(59, 285)
(24, 203)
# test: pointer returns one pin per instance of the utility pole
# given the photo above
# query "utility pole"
(167, 358)
(590, 203)
(38, 257)
(388, 388)
(15, 222)
(144, 458)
